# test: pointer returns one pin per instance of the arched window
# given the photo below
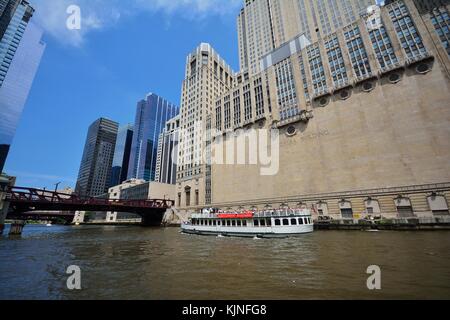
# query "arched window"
(322, 208)
(438, 204)
(302, 205)
(404, 207)
(372, 206)
(346, 209)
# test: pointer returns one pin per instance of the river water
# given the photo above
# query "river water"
(141, 263)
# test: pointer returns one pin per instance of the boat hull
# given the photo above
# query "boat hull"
(280, 232)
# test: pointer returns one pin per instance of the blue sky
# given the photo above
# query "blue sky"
(122, 52)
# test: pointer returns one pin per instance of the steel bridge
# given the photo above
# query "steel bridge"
(36, 204)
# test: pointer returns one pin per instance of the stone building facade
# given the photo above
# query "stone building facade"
(362, 116)
(207, 77)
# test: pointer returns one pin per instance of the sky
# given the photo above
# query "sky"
(123, 51)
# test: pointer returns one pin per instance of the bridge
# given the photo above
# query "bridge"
(36, 204)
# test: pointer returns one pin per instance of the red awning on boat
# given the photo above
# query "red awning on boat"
(246, 215)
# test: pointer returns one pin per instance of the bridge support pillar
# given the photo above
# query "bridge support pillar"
(79, 217)
(16, 228)
(4, 207)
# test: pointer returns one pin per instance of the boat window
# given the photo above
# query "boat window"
(262, 222)
(294, 222)
(256, 223)
(244, 223)
(300, 221)
(285, 222)
(228, 223)
(233, 223)
(214, 222)
(277, 222)
(224, 223)
(239, 223)
(210, 222)
(269, 222)
(305, 221)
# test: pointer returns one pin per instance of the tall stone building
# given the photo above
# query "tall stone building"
(207, 77)
(362, 118)
(94, 178)
(264, 25)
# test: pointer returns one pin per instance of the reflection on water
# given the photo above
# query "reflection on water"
(141, 263)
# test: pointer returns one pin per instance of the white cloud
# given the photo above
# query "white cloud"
(100, 14)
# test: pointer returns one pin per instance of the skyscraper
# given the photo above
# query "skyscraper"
(122, 155)
(7, 10)
(264, 25)
(166, 164)
(21, 50)
(152, 113)
(361, 116)
(207, 77)
(94, 177)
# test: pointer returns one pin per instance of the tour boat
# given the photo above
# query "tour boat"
(264, 224)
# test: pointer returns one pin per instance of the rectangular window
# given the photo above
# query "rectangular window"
(196, 198)
(317, 70)
(407, 33)
(347, 213)
(259, 97)
(357, 52)
(219, 114)
(286, 91)
(237, 108)
(336, 62)
(383, 47)
(304, 79)
(227, 112)
(441, 22)
(247, 104)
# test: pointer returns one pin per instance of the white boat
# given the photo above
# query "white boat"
(264, 224)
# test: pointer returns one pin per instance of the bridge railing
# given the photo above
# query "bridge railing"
(30, 195)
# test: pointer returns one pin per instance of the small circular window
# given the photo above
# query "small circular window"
(367, 86)
(291, 130)
(344, 94)
(323, 102)
(394, 78)
(423, 68)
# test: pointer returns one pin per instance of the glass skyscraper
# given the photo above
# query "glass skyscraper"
(152, 113)
(122, 155)
(21, 50)
(94, 177)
